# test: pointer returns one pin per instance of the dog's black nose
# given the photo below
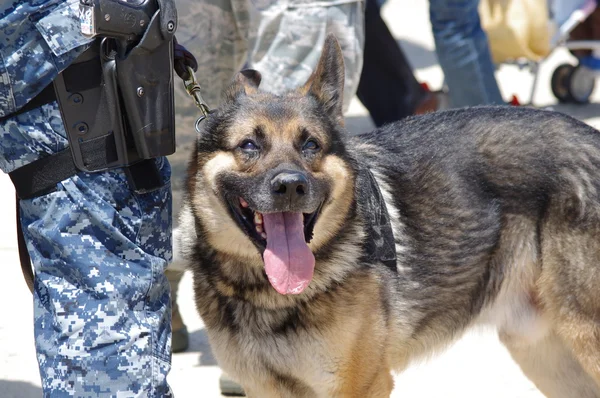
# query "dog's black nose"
(291, 185)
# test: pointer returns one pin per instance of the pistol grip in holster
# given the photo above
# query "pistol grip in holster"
(145, 77)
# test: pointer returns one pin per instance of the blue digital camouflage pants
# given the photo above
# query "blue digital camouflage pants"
(102, 310)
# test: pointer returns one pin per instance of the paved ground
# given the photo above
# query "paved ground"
(477, 366)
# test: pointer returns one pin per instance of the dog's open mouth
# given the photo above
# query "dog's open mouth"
(283, 238)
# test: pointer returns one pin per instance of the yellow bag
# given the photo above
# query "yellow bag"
(516, 28)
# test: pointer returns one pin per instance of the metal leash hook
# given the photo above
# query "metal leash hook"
(193, 89)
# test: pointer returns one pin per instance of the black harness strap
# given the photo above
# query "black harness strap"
(380, 244)
(41, 176)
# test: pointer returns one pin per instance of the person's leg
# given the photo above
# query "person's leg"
(281, 41)
(387, 88)
(216, 32)
(463, 52)
(101, 301)
(180, 340)
(285, 42)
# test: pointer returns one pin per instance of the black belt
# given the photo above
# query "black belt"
(41, 176)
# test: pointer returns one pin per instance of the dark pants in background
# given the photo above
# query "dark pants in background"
(387, 87)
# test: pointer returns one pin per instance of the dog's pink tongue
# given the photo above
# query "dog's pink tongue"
(289, 263)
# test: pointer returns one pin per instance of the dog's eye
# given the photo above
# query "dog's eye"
(249, 145)
(310, 145)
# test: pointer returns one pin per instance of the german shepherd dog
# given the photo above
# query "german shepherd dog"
(323, 262)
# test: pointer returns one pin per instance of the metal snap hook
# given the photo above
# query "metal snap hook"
(193, 89)
(198, 122)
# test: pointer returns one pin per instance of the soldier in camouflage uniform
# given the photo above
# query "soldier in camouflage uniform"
(282, 39)
(101, 301)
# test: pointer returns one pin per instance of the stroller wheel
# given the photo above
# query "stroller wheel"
(560, 82)
(582, 81)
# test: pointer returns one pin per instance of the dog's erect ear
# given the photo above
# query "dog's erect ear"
(327, 81)
(246, 82)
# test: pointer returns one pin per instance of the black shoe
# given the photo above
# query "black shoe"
(180, 340)
(230, 388)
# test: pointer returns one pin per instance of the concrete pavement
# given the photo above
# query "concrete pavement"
(477, 366)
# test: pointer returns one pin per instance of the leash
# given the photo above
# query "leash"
(185, 65)
(193, 89)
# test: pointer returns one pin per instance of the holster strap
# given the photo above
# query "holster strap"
(41, 176)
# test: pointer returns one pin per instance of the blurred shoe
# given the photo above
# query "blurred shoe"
(429, 103)
(514, 101)
(230, 388)
(180, 339)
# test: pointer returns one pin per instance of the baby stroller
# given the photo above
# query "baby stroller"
(525, 32)
(580, 33)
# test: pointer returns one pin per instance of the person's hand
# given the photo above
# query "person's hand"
(183, 59)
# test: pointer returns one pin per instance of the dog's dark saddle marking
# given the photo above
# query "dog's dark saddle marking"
(380, 244)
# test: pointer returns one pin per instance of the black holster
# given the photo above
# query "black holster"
(117, 100)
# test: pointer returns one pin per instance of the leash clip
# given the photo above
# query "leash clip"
(193, 89)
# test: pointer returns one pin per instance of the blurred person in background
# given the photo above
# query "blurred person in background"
(281, 39)
(463, 52)
(388, 88)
